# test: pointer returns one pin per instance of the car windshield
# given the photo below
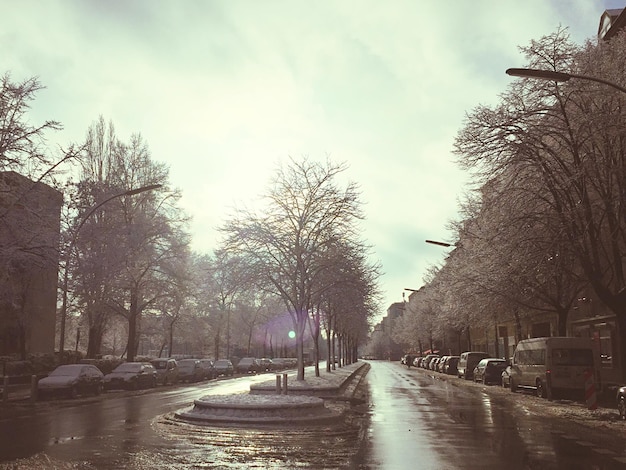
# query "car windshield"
(128, 367)
(186, 364)
(66, 371)
(221, 363)
(160, 364)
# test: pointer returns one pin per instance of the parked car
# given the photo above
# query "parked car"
(278, 363)
(248, 365)
(450, 365)
(224, 367)
(189, 370)
(426, 360)
(556, 364)
(621, 401)
(467, 361)
(489, 370)
(265, 364)
(73, 380)
(433, 363)
(207, 368)
(441, 363)
(167, 370)
(131, 376)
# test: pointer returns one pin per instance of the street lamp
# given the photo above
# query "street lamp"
(447, 245)
(558, 76)
(70, 248)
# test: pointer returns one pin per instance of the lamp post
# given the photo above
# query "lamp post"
(559, 76)
(447, 245)
(70, 249)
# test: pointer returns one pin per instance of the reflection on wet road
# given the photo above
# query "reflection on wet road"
(414, 421)
(421, 422)
(102, 430)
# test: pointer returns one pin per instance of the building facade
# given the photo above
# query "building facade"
(29, 259)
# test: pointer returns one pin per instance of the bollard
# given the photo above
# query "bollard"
(285, 390)
(278, 387)
(33, 388)
(591, 398)
(5, 389)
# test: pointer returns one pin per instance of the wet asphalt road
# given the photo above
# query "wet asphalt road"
(412, 420)
(419, 421)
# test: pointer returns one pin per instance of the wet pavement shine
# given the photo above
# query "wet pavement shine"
(396, 419)
(419, 421)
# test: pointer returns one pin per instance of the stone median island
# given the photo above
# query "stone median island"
(301, 405)
(259, 409)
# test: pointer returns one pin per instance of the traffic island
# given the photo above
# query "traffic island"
(260, 409)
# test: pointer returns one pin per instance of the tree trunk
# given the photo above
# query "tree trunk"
(133, 317)
(94, 341)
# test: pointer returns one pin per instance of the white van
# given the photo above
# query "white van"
(554, 364)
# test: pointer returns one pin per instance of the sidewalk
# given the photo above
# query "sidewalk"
(328, 384)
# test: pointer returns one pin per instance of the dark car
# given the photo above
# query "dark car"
(278, 363)
(467, 362)
(449, 367)
(207, 368)
(266, 364)
(167, 370)
(189, 370)
(489, 370)
(621, 401)
(131, 376)
(73, 380)
(224, 367)
(248, 365)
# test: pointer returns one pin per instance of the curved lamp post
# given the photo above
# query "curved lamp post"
(447, 245)
(559, 76)
(70, 249)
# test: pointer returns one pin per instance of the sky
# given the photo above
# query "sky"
(224, 92)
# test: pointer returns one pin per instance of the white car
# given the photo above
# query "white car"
(73, 380)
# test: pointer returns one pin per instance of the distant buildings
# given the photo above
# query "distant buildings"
(29, 260)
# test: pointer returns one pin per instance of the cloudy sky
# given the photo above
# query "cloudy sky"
(225, 91)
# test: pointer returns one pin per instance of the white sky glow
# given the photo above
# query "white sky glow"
(225, 91)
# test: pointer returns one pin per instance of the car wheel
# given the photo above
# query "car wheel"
(621, 407)
(541, 390)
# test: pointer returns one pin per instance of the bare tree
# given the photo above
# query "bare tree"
(305, 212)
(571, 138)
(128, 250)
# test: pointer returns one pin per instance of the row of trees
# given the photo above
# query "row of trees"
(546, 222)
(128, 272)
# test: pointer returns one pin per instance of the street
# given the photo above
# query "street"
(411, 419)
(423, 420)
